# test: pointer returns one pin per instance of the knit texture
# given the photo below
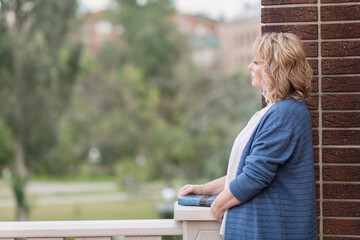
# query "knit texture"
(275, 179)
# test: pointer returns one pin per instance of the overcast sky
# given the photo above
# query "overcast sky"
(212, 8)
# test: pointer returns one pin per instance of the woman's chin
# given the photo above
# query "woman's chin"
(253, 83)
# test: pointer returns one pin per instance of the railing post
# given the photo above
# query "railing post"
(198, 223)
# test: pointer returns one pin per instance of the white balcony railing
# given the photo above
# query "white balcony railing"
(189, 222)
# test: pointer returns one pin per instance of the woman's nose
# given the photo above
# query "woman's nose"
(250, 66)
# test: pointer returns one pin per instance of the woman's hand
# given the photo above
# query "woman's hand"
(191, 189)
(217, 209)
(223, 201)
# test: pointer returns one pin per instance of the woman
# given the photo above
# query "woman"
(269, 189)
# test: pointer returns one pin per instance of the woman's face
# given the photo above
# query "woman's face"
(256, 68)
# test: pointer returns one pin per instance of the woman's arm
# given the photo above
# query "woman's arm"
(211, 188)
(271, 149)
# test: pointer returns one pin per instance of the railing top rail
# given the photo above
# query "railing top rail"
(150, 227)
(191, 213)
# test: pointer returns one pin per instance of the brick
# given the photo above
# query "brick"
(336, 13)
(276, 2)
(314, 119)
(315, 134)
(341, 226)
(340, 238)
(341, 155)
(341, 173)
(314, 84)
(339, 1)
(289, 14)
(311, 49)
(340, 48)
(340, 65)
(341, 209)
(340, 101)
(341, 191)
(313, 102)
(341, 84)
(340, 30)
(317, 191)
(304, 32)
(314, 65)
(342, 119)
(317, 208)
(317, 172)
(316, 155)
(341, 137)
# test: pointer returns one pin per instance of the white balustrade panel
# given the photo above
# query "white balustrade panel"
(144, 238)
(45, 239)
(192, 223)
(93, 238)
(81, 230)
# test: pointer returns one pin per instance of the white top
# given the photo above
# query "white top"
(236, 151)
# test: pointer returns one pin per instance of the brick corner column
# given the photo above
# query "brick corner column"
(330, 32)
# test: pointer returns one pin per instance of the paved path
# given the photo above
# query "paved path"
(50, 193)
(73, 199)
(53, 193)
(41, 188)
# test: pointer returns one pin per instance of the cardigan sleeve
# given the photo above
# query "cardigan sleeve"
(271, 148)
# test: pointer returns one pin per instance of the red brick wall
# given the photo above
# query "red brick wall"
(330, 31)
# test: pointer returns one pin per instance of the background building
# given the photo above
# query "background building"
(236, 43)
(97, 30)
(216, 45)
(203, 34)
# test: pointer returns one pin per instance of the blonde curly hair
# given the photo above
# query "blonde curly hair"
(286, 73)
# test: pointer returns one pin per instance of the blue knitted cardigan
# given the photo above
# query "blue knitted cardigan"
(275, 179)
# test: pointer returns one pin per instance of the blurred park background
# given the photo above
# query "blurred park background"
(105, 114)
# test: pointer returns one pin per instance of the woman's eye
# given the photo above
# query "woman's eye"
(255, 62)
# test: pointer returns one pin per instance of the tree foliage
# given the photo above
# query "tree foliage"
(152, 40)
(140, 101)
(6, 146)
(38, 69)
(129, 104)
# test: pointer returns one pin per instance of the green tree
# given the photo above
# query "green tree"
(111, 113)
(150, 35)
(153, 44)
(128, 94)
(213, 111)
(6, 147)
(38, 67)
(129, 103)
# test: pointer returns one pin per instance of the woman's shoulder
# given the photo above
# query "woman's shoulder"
(289, 107)
(288, 112)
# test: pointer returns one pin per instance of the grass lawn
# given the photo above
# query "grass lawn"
(137, 209)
